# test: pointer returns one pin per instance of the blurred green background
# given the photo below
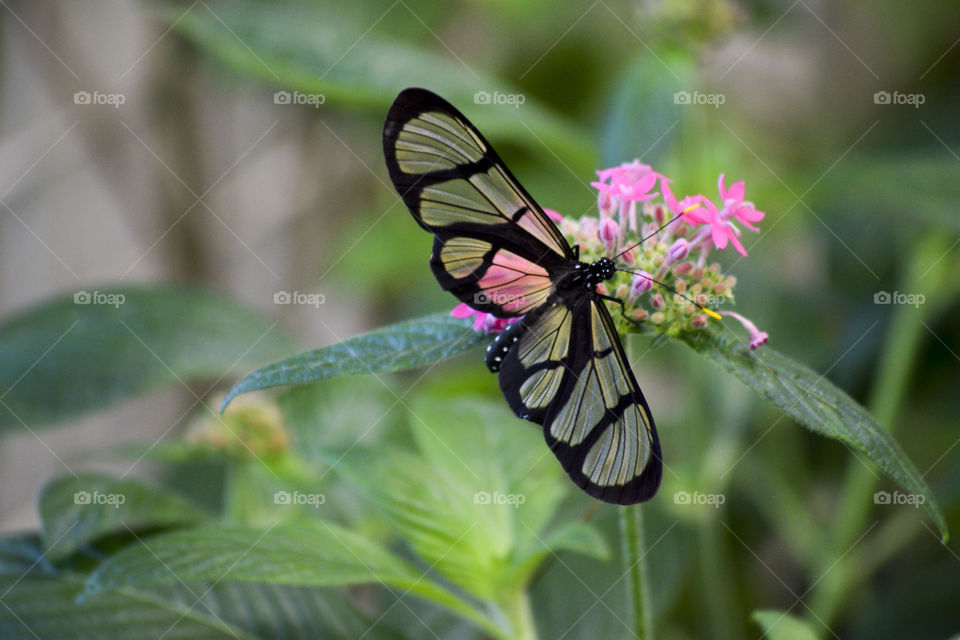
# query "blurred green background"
(841, 117)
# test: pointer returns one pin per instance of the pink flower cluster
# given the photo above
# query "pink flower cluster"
(713, 226)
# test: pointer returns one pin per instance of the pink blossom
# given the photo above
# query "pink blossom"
(721, 230)
(553, 215)
(757, 337)
(486, 322)
(630, 181)
(735, 207)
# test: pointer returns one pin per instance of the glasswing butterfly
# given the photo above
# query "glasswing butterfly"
(561, 365)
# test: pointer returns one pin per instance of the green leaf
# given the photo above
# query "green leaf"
(401, 346)
(41, 601)
(778, 625)
(312, 49)
(818, 404)
(320, 555)
(476, 500)
(75, 510)
(61, 359)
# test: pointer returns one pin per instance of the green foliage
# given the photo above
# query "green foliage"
(76, 510)
(402, 346)
(778, 625)
(46, 602)
(302, 47)
(818, 404)
(61, 359)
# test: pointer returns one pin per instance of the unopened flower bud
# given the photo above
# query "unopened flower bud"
(608, 233)
(656, 301)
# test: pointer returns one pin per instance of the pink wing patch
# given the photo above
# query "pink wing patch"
(514, 283)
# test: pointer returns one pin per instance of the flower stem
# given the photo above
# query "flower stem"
(520, 614)
(638, 591)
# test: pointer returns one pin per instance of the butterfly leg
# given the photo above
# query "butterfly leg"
(623, 309)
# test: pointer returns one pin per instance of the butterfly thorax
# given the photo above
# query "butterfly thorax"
(589, 275)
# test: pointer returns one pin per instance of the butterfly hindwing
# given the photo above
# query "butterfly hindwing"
(568, 372)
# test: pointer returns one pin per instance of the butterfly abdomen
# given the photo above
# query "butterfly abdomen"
(498, 349)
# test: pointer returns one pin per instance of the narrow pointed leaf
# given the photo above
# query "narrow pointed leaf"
(400, 346)
(818, 404)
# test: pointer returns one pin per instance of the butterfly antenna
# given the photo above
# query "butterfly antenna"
(661, 228)
(709, 312)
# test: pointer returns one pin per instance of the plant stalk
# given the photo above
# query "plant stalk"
(638, 590)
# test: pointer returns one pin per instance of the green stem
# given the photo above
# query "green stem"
(638, 591)
(520, 614)
(890, 385)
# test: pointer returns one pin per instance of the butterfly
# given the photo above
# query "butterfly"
(561, 365)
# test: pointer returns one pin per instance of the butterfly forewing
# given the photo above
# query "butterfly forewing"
(494, 243)
(497, 250)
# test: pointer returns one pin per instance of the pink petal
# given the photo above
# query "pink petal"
(719, 237)
(553, 215)
(669, 198)
(722, 188)
(737, 191)
(736, 245)
(462, 310)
